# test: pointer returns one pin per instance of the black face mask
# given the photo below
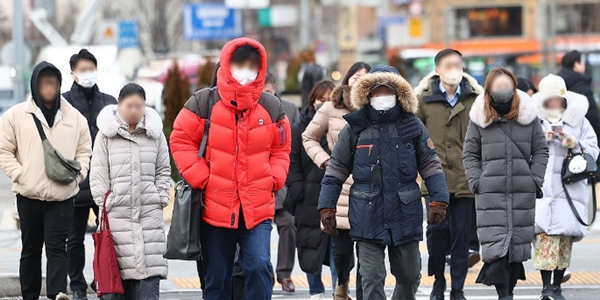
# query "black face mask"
(502, 108)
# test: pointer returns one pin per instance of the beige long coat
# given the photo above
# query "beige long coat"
(329, 121)
(135, 168)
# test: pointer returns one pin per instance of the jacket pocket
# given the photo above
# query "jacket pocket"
(411, 212)
(363, 199)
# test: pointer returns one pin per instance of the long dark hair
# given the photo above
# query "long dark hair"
(320, 88)
(357, 66)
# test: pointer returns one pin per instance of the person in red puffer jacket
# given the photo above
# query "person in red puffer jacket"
(246, 162)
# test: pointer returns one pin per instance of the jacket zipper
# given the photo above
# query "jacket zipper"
(370, 147)
(282, 134)
(238, 119)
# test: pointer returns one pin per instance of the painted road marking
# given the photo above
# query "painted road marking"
(533, 279)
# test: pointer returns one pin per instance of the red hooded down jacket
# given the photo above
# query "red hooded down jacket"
(247, 156)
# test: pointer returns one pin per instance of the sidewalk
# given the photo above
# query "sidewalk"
(183, 276)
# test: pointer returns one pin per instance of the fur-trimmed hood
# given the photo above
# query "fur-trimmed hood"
(109, 123)
(425, 83)
(577, 107)
(527, 110)
(359, 95)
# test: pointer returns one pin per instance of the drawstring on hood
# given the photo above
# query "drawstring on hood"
(49, 113)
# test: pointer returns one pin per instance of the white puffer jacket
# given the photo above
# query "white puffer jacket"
(553, 215)
(135, 167)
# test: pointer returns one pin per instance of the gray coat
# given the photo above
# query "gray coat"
(553, 214)
(135, 168)
(502, 179)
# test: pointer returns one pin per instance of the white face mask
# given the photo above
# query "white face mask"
(87, 79)
(244, 76)
(453, 77)
(383, 102)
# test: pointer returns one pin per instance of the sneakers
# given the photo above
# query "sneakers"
(474, 258)
(457, 295)
(438, 291)
(80, 295)
(317, 297)
(62, 296)
(552, 292)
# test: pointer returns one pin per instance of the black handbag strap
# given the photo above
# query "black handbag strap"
(203, 144)
(594, 207)
(39, 127)
(519, 148)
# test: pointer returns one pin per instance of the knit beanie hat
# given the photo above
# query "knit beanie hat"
(552, 86)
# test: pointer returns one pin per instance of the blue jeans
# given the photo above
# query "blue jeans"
(218, 254)
(315, 282)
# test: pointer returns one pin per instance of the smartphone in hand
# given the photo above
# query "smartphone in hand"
(557, 128)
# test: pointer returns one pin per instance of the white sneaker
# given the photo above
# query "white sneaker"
(62, 296)
(317, 297)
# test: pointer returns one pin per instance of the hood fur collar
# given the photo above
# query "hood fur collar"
(527, 110)
(359, 95)
(109, 124)
(577, 107)
(425, 82)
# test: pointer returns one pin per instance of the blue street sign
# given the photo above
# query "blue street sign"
(128, 35)
(385, 21)
(211, 21)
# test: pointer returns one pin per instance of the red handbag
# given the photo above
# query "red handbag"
(106, 268)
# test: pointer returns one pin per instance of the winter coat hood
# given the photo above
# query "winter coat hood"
(49, 113)
(110, 125)
(405, 96)
(577, 107)
(527, 110)
(424, 84)
(237, 96)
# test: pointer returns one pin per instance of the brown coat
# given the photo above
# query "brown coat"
(22, 156)
(329, 120)
(448, 126)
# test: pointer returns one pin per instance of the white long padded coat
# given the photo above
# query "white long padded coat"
(135, 167)
(553, 215)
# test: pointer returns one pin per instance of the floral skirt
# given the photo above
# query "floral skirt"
(552, 252)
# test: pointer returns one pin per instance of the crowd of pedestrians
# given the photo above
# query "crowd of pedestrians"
(344, 177)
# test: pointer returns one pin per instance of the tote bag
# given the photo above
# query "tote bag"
(106, 268)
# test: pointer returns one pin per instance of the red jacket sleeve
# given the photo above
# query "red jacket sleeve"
(188, 130)
(280, 153)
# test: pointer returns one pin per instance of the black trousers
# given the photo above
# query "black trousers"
(452, 232)
(473, 239)
(44, 223)
(343, 257)
(76, 247)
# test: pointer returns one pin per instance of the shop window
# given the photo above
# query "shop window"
(577, 18)
(488, 22)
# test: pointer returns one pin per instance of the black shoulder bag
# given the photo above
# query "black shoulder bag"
(539, 194)
(183, 241)
(575, 174)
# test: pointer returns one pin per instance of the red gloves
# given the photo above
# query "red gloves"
(328, 221)
(437, 212)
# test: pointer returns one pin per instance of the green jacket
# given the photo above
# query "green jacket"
(447, 126)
